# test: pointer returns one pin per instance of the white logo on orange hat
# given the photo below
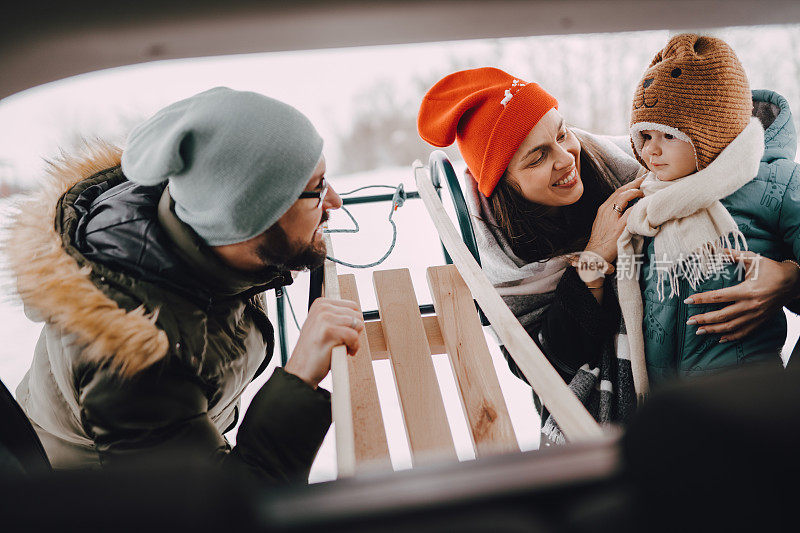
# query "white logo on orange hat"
(516, 85)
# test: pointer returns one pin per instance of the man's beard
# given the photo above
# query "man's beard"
(276, 250)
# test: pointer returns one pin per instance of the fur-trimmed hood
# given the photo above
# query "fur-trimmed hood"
(53, 285)
(103, 259)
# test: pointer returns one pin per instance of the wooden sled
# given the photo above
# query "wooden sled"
(408, 341)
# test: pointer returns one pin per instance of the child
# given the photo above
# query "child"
(691, 126)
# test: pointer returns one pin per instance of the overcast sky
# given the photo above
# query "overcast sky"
(323, 84)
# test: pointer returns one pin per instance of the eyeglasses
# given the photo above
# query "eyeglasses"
(319, 193)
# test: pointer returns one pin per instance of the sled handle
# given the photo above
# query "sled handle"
(340, 395)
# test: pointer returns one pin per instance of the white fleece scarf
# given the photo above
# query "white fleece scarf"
(689, 227)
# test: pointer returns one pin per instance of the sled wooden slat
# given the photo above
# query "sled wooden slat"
(371, 449)
(417, 386)
(377, 343)
(483, 402)
(572, 417)
(341, 407)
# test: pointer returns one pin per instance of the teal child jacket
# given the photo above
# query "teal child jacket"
(767, 210)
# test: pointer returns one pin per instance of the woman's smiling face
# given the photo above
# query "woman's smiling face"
(546, 166)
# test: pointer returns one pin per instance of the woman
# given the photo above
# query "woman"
(544, 194)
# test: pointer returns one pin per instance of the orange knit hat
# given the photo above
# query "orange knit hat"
(489, 113)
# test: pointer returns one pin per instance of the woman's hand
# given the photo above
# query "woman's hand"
(329, 323)
(609, 223)
(767, 287)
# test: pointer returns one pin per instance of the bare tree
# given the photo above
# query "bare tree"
(592, 76)
(384, 128)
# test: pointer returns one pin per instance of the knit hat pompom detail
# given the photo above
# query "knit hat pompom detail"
(488, 113)
(697, 87)
(235, 161)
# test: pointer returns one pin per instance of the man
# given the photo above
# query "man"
(149, 271)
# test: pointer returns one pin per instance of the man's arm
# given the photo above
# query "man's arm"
(283, 429)
(162, 413)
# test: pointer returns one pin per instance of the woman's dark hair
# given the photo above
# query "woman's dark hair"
(537, 232)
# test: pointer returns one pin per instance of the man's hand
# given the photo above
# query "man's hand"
(767, 287)
(329, 323)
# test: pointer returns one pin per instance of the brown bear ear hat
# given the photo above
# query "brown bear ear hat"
(696, 90)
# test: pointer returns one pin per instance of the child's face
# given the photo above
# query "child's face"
(666, 156)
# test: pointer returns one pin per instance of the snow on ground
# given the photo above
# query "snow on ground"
(417, 248)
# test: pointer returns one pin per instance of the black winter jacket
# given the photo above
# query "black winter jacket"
(150, 340)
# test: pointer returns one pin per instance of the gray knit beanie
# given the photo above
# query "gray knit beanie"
(236, 161)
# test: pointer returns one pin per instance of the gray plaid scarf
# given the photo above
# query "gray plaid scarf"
(528, 290)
